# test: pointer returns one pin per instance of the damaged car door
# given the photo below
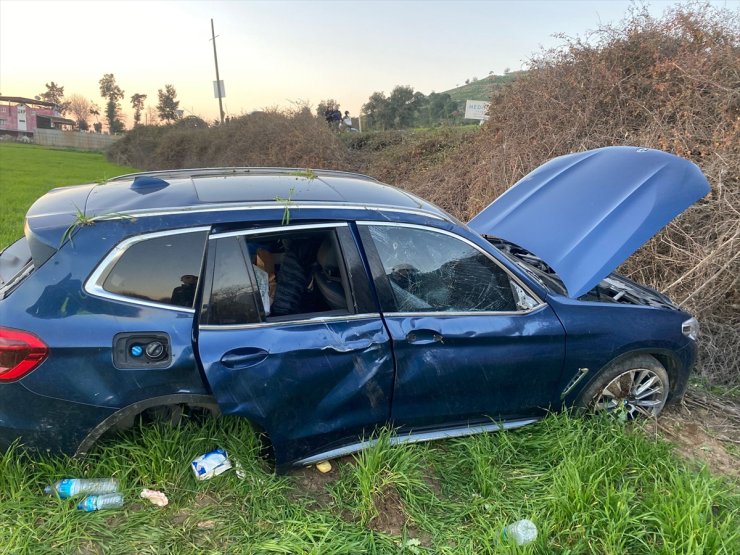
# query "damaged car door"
(472, 343)
(291, 339)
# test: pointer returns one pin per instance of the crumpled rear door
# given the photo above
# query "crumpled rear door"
(313, 382)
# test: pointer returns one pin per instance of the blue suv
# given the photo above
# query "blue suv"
(320, 305)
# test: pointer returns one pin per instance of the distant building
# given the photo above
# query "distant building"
(22, 116)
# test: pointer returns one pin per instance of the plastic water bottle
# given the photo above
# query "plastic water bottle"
(69, 487)
(100, 502)
(521, 531)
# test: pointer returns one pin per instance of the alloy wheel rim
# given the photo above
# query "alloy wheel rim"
(638, 392)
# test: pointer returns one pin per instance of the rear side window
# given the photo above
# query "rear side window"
(164, 269)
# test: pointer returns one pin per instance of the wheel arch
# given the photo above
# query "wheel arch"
(135, 409)
(677, 374)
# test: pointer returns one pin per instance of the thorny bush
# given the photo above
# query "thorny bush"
(670, 83)
(293, 138)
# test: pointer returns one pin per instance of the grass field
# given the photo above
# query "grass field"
(28, 171)
(590, 485)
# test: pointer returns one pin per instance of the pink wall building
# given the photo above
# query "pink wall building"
(22, 116)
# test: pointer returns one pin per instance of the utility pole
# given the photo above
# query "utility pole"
(218, 79)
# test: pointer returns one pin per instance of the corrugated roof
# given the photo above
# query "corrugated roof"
(22, 100)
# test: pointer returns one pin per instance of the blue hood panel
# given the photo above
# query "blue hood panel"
(586, 213)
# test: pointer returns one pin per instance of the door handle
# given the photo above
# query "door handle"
(424, 337)
(243, 358)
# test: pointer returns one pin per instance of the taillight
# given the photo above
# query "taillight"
(20, 352)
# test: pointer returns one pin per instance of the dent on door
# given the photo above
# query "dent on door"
(312, 380)
(309, 385)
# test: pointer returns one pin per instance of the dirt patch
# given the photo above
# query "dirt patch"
(312, 483)
(705, 428)
(391, 518)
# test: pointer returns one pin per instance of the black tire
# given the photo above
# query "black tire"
(632, 388)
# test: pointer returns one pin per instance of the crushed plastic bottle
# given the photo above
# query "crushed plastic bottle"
(101, 502)
(70, 487)
(522, 532)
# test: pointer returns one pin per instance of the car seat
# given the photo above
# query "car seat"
(327, 277)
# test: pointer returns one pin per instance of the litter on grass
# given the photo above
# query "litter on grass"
(211, 464)
(155, 497)
(323, 467)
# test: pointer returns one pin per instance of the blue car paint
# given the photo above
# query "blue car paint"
(599, 333)
(480, 368)
(315, 383)
(586, 213)
(323, 398)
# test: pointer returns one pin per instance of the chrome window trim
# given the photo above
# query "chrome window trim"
(276, 229)
(418, 437)
(489, 313)
(94, 283)
(296, 322)
(231, 207)
(527, 289)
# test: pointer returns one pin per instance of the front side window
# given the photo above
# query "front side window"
(276, 276)
(162, 269)
(434, 272)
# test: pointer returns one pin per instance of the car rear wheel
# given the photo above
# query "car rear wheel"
(634, 388)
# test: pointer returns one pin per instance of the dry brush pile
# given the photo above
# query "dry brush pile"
(671, 83)
(293, 138)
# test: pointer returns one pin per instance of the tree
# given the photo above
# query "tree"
(441, 106)
(377, 110)
(55, 94)
(402, 106)
(168, 105)
(81, 109)
(137, 101)
(113, 94)
(151, 115)
(324, 105)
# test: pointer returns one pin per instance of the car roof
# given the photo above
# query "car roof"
(191, 188)
(195, 190)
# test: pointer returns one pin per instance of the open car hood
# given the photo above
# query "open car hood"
(584, 214)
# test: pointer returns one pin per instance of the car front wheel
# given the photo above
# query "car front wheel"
(636, 387)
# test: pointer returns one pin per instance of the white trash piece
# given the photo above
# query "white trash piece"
(521, 531)
(211, 464)
(155, 497)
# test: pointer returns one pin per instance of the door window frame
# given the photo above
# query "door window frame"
(383, 287)
(361, 305)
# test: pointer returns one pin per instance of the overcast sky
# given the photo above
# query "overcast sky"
(281, 52)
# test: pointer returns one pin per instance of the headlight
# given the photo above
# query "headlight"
(690, 328)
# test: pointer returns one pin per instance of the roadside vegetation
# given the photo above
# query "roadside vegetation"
(590, 485)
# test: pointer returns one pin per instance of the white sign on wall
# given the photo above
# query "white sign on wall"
(476, 109)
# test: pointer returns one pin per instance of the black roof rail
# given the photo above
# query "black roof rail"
(227, 171)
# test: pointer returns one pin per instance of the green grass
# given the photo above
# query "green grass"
(28, 171)
(590, 485)
(482, 88)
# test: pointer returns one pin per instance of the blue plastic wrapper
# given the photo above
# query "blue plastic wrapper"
(211, 464)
